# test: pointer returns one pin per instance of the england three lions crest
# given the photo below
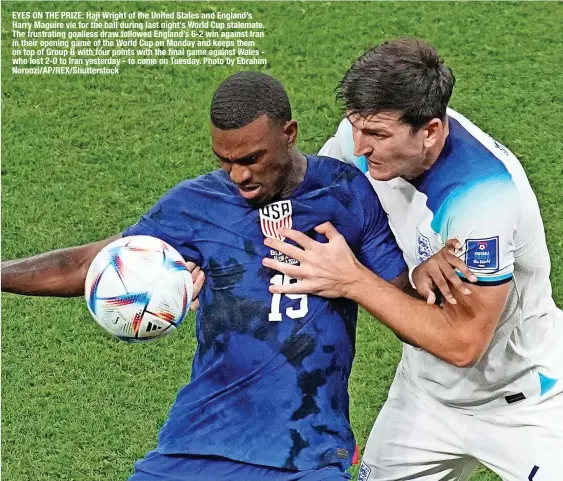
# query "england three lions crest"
(274, 217)
(423, 248)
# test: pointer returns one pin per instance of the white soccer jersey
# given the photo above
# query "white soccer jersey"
(478, 193)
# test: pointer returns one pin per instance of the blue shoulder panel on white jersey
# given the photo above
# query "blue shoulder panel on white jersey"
(464, 166)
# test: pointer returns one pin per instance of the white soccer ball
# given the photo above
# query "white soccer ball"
(138, 288)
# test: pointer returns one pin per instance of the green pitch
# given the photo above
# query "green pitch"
(83, 157)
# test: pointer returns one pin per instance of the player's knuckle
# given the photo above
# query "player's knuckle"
(441, 282)
(435, 271)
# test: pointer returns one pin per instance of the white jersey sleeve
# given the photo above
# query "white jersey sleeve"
(484, 218)
(341, 146)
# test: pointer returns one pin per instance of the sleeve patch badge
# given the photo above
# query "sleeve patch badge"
(482, 253)
(423, 248)
(364, 472)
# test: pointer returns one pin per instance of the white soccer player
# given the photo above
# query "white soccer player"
(479, 379)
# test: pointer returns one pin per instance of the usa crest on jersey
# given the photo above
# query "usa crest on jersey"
(274, 217)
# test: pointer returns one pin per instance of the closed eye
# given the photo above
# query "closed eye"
(247, 161)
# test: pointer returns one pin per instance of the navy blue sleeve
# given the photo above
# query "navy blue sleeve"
(379, 251)
(169, 220)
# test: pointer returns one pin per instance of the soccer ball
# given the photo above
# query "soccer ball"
(138, 288)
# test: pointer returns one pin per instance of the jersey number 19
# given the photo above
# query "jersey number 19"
(275, 314)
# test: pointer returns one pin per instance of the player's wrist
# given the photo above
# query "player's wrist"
(355, 282)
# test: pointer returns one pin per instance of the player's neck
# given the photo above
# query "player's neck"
(296, 174)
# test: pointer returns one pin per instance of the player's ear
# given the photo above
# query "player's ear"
(290, 131)
(433, 129)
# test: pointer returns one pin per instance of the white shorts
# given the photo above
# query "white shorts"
(415, 437)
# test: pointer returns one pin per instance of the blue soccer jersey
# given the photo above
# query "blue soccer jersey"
(270, 374)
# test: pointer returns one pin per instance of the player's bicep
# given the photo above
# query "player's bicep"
(93, 249)
(476, 317)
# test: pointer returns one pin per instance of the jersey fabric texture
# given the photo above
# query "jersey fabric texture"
(478, 193)
(185, 467)
(269, 376)
(416, 437)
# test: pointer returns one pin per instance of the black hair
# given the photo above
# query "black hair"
(404, 75)
(245, 96)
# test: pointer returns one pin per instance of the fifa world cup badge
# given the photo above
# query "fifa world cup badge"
(483, 254)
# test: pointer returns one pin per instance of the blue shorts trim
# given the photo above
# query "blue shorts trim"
(185, 467)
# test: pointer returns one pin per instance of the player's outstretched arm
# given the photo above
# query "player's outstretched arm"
(458, 334)
(59, 273)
